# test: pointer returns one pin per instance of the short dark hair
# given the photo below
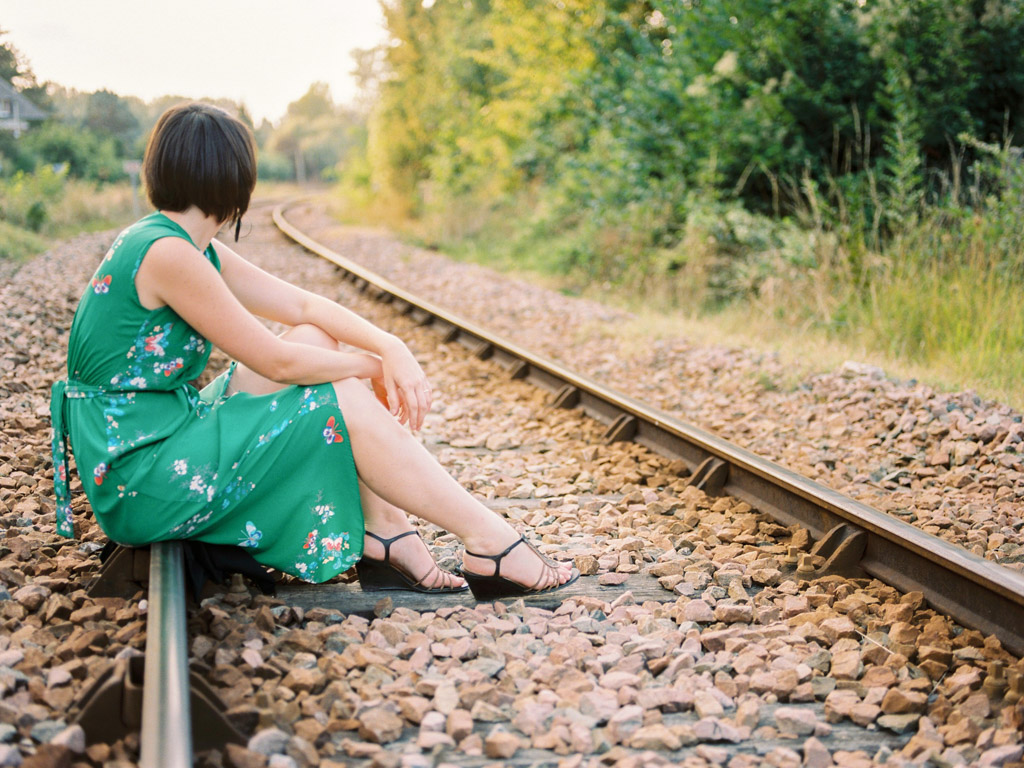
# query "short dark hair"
(200, 155)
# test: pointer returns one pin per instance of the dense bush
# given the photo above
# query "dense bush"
(621, 109)
(84, 154)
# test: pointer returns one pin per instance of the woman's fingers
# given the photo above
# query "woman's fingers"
(416, 399)
(391, 389)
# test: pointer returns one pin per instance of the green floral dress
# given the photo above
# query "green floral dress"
(161, 460)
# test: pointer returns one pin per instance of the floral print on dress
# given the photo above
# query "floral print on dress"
(195, 344)
(169, 367)
(151, 345)
(250, 536)
(324, 512)
(101, 284)
(331, 432)
(325, 553)
(156, 344)
(99, 474)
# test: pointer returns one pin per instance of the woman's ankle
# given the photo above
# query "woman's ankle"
(490, 537)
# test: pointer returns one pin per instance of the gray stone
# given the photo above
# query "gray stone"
(57, 676)
(1009, 753)
(796, 721)
(8, 733)
(269, 741)
(486, 666)
(11, 657)
(72, 737)
(10, 757)
(45, 730)
(898, 723)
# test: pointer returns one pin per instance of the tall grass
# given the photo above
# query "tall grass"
(39, 207)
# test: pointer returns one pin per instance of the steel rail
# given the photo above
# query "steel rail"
(166, 733)
(973, 591)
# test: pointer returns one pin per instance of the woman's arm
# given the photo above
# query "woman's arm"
(180, 276)
(270, 297)
(265, 295)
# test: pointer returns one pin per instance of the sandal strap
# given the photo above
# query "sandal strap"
(498, 557)
(422, 582)
(388, 542)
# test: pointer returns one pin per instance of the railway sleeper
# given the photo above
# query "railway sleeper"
(111, 708)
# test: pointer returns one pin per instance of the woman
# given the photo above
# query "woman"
(288, 452)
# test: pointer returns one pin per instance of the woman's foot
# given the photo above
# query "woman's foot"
(516, 560)
(406, 552)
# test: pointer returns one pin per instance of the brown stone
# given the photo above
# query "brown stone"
(304, 680)
(49, 756)
(500, 744)
(413, 708)
(864, 714)
(795, 721)
(699, 611)
(839, 704)
(379, 725)
(878, 677)
(624, 723)
(900, 702)
(964, 729)
(459, 724)
(656, 737)
(816, 754)
(846, 665)
(237, 756)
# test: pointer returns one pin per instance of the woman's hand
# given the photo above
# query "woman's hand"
(404, 385)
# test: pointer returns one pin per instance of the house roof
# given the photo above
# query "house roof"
(27, 110)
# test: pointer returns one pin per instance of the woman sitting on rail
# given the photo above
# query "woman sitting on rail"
(289, 452)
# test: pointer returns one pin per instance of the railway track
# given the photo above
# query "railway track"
(853, 545)
(852, 538)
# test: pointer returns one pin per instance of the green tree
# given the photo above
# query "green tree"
(16, 70)
(315, 134)
(110, 115)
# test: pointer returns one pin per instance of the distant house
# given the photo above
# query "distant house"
(16, 111)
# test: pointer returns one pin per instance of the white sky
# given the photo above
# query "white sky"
(263, 53)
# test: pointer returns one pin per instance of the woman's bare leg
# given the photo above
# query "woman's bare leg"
(387, 521)
(421, 487)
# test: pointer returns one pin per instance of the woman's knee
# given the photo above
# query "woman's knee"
(313, 335)
(355, 400)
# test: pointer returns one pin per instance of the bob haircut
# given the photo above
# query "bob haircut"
(200, 155)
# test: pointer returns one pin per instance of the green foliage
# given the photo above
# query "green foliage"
(313, 137)
(618, 105)
(109, 115)
(26, 198)
(82, 152)
(844, 165)
(17, 244)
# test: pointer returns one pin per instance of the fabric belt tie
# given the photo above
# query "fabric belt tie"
(61, 392)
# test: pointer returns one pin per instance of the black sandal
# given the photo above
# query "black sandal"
(383, 574)
(496, 586)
